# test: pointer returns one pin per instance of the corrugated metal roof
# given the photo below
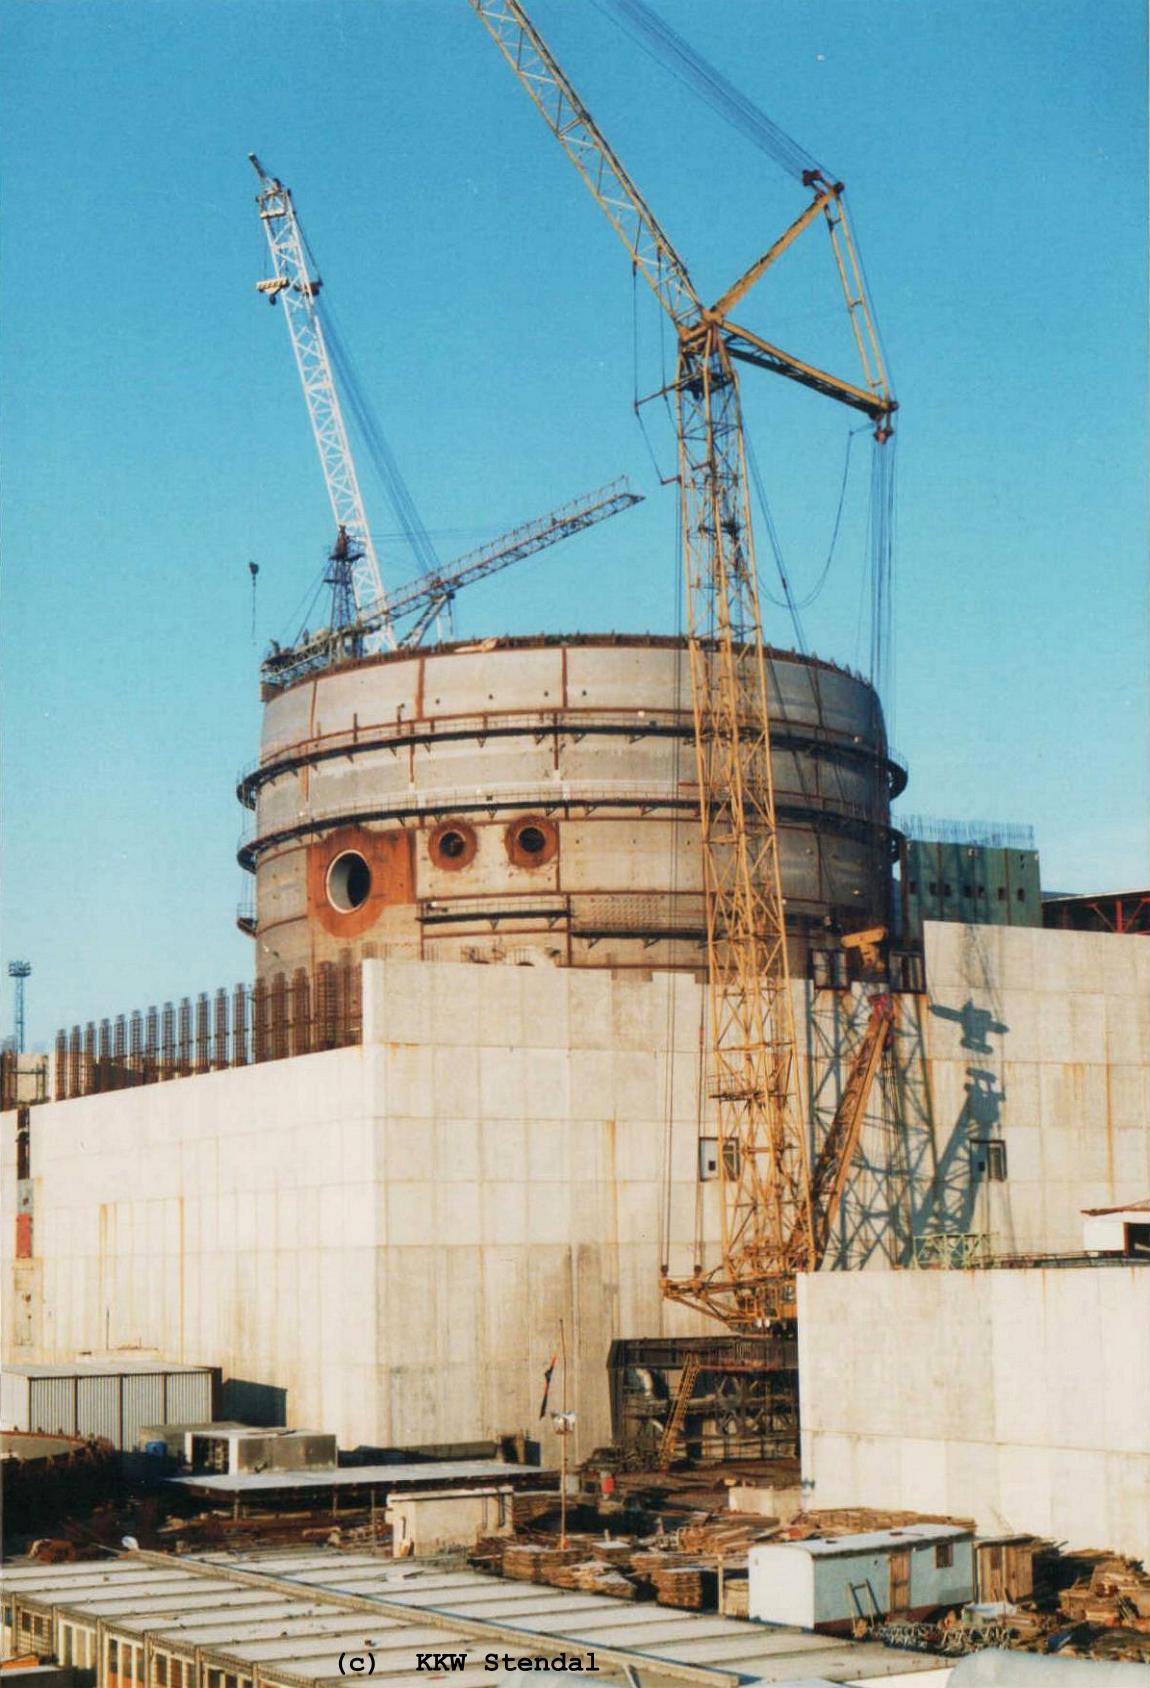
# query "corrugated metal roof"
(200, 1629)
(871, 1541)
(364, 1476)
(300, 1639)
(752, 1650)
(75, 1594)
(105, 1368)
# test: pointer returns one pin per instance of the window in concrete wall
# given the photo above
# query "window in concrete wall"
(944, 1556)
(989, 1157)
(708, 1157)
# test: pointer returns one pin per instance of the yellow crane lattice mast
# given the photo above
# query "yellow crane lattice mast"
(769, 1228)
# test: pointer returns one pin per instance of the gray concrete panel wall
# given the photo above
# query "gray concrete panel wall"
(380, 1241)
(1016, 1397)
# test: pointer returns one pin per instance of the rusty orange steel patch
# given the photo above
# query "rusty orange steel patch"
(387, 854)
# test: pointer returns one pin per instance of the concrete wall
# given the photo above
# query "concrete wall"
(1015, 1397)
(387, 1236)
(381, 1241)
(1041, 1039)
(589, 739)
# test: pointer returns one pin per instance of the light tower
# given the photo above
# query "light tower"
(19, 970)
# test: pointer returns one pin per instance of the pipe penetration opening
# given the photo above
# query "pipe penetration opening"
(531, 840)
(348, 882)
(452, 845)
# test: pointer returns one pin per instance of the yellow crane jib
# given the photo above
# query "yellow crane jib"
(768, 1222)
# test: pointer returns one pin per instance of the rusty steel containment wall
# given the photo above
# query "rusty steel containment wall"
(536, 799)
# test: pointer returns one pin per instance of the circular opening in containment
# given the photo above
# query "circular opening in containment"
(348, 882)
(452, 844)
(531, 841)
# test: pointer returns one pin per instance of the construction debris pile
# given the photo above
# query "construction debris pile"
(1104, 1613)
(682, 1568)
(1084, 1604)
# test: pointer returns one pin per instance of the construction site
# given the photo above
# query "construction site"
(701, 1213)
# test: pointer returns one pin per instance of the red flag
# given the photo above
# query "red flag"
(547, 1376)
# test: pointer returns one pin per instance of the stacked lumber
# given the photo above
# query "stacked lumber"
(487, 1554)
(530, 1561)
(689, 1587)
(727, 1536)
(529, 1505)
(856, 1520)
(1118, 1592)
(646, 1561)
(595, 1576)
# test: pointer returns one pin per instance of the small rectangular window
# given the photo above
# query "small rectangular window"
(1021, 893)
(113, 1658)
(934, 887)
(912, 886)
(944, 1556)
(161, 1670)
(989, 1156)
(1002, 893)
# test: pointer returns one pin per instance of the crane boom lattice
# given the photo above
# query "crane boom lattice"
(768, 1220)
(297, 289)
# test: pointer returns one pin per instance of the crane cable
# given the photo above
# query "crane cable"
(659, 41)
(379, 450)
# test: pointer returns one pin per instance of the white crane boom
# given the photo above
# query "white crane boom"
(424, 598)
(298, 288)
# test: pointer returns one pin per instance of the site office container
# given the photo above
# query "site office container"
(175, 1654)
(33, 1618)
(112, 1402)
(830, 1584)
(77, 1639)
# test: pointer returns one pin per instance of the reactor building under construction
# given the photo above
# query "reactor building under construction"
(586, 1000)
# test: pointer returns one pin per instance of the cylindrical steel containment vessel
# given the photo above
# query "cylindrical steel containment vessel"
(537, 799)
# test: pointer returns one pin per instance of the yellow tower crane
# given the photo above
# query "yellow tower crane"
(770, 1227)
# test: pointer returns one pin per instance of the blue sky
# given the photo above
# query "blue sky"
(155, 439)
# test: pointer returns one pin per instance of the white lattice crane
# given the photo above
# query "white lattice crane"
(363, 614)
(356, 580)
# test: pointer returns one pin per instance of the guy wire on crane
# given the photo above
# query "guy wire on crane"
(775, 1209)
